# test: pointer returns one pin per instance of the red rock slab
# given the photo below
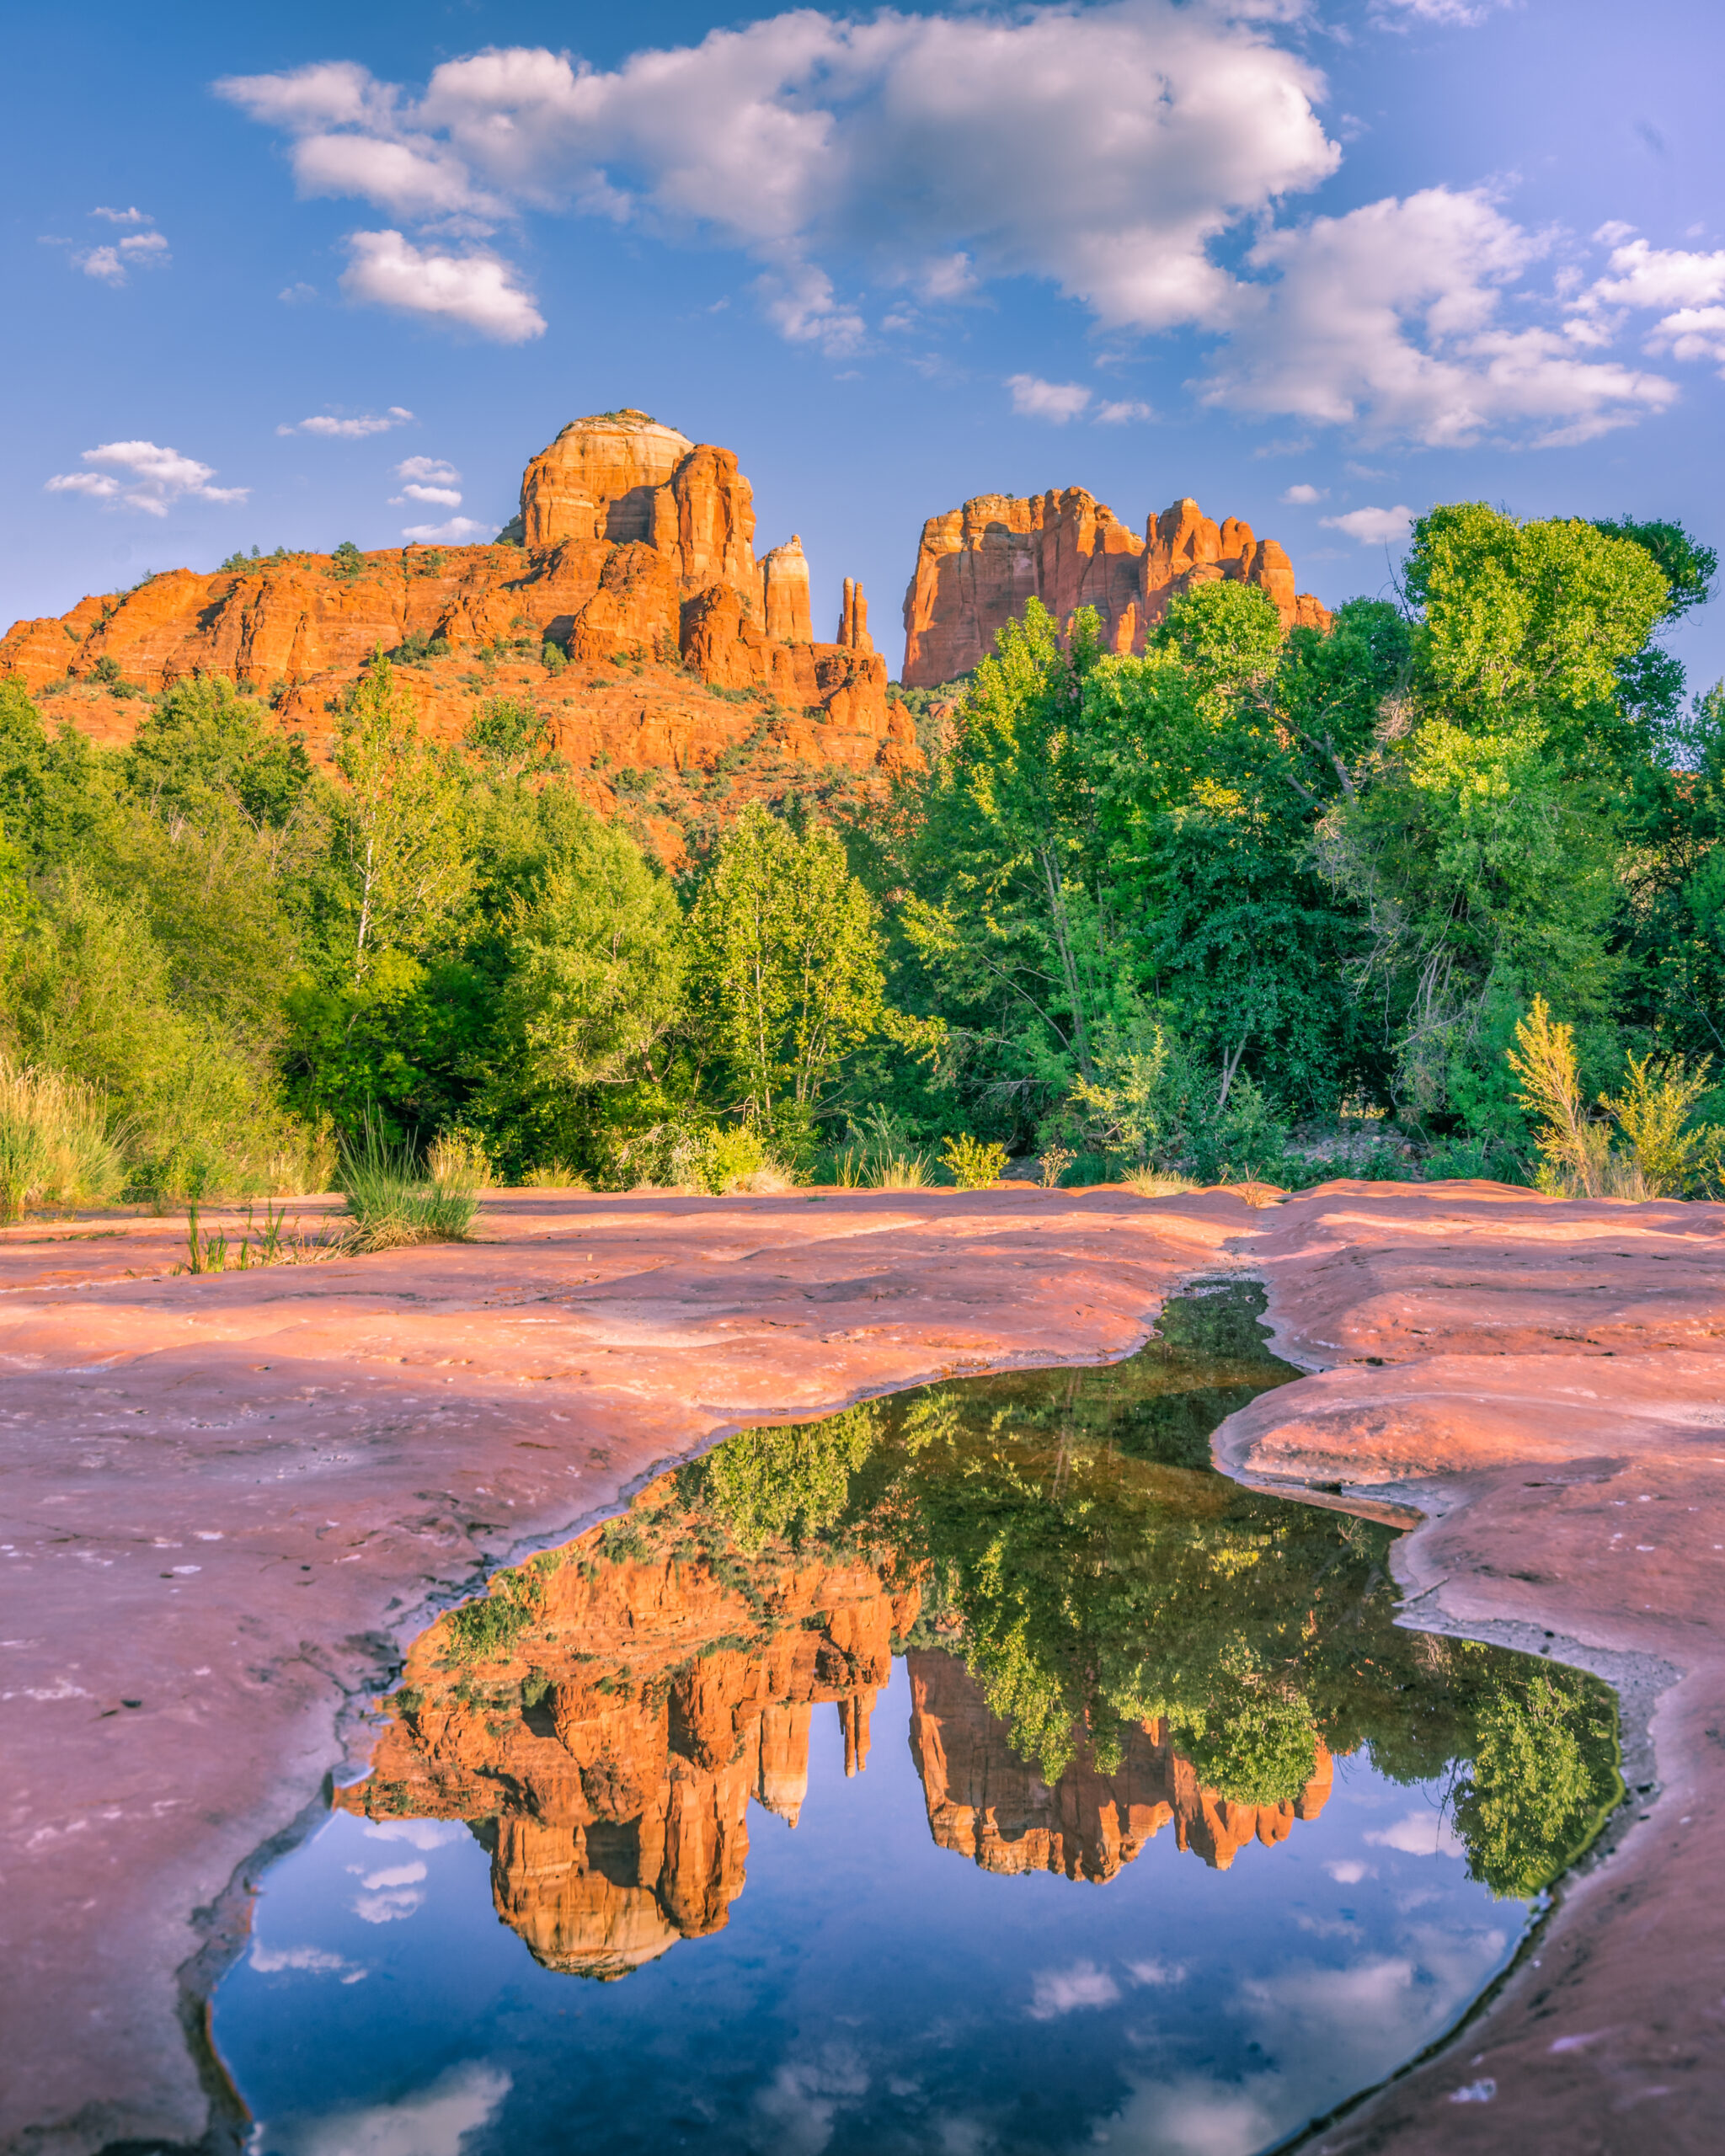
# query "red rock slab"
(231, 1500)
(1544, 1384)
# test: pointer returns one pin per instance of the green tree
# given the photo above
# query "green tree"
(785, 967)
(595, 964)
(1484, 844)
(402, 822)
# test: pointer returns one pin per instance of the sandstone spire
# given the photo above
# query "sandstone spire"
(853, 618)
(784, 594)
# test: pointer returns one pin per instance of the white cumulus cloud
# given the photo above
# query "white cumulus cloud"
(1373, 527)
(354, 429)
(1103, 150)
(445, 497)
(143, 475)
(138, 250)
(1686, 288)
(475, 287)
(432, 468)
(1033, 398)
(1460, 14)
(1108, 151)
(458, 532)
(1303, 496)
(1387, 320)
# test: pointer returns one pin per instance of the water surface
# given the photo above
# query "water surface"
(972, 1771)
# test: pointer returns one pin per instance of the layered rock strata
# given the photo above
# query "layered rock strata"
(978, 566)
(633, 545)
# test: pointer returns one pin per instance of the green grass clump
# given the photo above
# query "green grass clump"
(394, 1203)
(55, 1145)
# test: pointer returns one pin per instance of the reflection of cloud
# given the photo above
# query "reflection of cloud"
(1156, 1972)
(1348, 1871)
(794, 2113)
(433, 2122)
(268, 1960)
(1192, 2117)
(1333, 2029)
(1062, 1991)
(1421, 1834)
(390, 1894)
(422, 1834)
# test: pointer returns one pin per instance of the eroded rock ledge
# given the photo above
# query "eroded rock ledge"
(231, 1500)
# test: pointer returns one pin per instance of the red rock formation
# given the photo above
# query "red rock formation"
(636, 611)
(977, 567)
(987, 1804)
(853, 618)
(633, 544)
(784, 594)
(598, 480)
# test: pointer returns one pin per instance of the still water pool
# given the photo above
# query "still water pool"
(974, 1771)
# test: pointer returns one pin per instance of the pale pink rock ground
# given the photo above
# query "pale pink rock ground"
(339, 1448)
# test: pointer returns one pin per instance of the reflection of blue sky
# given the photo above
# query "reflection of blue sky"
(870, 1993)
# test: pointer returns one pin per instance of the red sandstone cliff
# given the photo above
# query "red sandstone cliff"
(977, 567)
(636, 548)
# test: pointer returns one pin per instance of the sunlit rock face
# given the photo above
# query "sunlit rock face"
(633, 546)
(978, 567)
(987, 1804)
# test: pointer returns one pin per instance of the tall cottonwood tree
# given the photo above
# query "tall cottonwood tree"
(785, 966)
(403, 821)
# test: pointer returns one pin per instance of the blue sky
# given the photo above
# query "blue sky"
(1314, 265)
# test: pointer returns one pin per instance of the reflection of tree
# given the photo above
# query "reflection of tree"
(1543, 1773)
(1089, 1584)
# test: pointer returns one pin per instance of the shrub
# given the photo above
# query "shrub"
(393, 1205)
(1575, 1149)
(972, 1164)
(1668, 1154)
(1150, 1182)
(346, 561)
(457, 1156)
(553, 657)
(54, 1146)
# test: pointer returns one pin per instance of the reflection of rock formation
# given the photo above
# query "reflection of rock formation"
(986, 1803)
(621, 1793)
(977, 567)
(612, 1747)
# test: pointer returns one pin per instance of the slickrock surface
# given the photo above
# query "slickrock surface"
(978, 566)
(233, 1501)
